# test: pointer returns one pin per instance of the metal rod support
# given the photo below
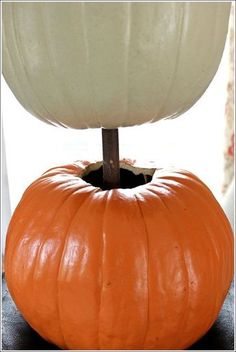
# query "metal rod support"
(111, 165)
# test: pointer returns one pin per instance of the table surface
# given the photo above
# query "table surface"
(18, 335)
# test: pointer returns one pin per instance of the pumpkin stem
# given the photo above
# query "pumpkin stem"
(111, 164)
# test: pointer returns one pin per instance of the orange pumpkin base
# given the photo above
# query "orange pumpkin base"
(129, 268)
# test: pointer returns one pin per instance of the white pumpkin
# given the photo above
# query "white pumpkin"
(85, 65)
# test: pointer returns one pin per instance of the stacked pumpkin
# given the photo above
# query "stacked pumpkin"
(109, 255)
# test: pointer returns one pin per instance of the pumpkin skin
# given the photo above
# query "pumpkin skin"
(141, 268)
(86, 65)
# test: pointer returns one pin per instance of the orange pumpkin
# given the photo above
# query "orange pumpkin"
(130, 268)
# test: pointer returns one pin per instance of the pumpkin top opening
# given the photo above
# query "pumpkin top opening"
(130, 176)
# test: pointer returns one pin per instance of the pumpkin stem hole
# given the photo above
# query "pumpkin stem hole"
(127, 178)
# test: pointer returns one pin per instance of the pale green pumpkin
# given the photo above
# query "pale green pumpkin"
(87, 65)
